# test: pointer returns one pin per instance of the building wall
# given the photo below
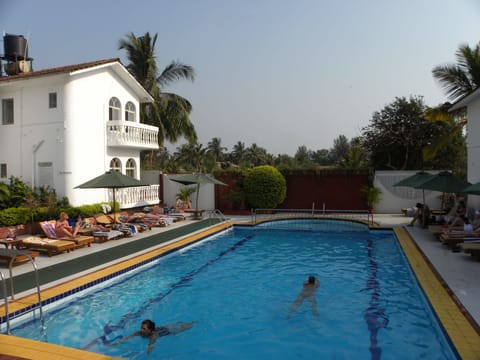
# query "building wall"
(72, 136)
(473, 149)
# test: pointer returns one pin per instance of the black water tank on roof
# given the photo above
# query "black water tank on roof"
(15, 46)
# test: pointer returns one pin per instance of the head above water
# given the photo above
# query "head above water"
(312, 279)
(147, 327)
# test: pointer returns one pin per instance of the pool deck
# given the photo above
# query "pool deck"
(458, 274)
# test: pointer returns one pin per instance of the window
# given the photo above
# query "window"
(116, 165)
(114, 109)
(130, 168)
(129, 111)
(3, 171)
(52, 100)
(7, 111)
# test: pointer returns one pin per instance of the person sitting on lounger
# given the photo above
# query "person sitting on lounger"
(308, 293)
(150, 331)
(422, 214)
(63, 228)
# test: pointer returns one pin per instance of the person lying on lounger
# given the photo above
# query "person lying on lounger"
(63, 228)
(308, 293)
(150, 331)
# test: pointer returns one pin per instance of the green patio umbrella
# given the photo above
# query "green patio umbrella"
(196, 179)
(472, 189)
(111, 180)
(415, 180)
(445, 182)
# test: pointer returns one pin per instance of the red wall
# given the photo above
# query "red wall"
(339, 190)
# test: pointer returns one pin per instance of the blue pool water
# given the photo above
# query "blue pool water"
(238, 286)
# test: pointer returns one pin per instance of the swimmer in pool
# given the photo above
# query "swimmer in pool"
(308, 293)
(148, 330)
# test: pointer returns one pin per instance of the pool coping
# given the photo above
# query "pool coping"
(461, 329)
(455, 319)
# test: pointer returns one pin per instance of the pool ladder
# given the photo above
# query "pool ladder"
(39, 306)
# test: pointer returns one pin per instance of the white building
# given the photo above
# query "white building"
(64, 126)
(472, 104)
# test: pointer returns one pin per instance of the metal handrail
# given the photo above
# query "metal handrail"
(271, 214)
(39, 306)
(6, 301)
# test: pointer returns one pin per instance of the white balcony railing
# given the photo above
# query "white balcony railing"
(136, 196)
(132, 134)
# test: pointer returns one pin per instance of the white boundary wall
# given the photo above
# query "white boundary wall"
(394, 198)
(206, 198)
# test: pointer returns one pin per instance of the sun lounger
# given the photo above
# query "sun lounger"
(103, 236)
(437, 230)
(452, 240)
(80, 240)
(50, 246)
(472, 249)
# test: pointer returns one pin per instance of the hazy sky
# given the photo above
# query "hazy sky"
(277, 73)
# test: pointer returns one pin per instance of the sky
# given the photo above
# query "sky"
(278, 73)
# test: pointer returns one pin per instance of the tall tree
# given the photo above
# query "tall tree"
(169, 112)
(398, 135)
(303, 156)
(463, 77)
(340, 149)
(238, 152)
(215, 148)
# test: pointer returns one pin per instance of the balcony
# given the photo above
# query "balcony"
(132, 135)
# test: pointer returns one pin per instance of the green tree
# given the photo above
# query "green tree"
(463, 77)
(340, 149)
(194, 158)
(257, 155)
(169, 112)
(264, 187)
(303, 155)
(356, 157)
(398, 135)
(215, 148)
(238, 152)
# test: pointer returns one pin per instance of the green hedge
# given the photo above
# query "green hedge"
(21, 215)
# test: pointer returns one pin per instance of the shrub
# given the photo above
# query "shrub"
(265, 187)
(15, 216)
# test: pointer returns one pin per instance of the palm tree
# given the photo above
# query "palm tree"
(463, 77)
(169, 112)
(238, 152)
(215, 148)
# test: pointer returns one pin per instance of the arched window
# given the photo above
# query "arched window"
(114, 109)
(129, 111)
(130, 168)
(116, 165)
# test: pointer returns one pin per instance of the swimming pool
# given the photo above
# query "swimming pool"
(239, 286)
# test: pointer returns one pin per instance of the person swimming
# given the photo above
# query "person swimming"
(309, 289)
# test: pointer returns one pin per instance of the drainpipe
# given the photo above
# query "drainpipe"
(35, 149)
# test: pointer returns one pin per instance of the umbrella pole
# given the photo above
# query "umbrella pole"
(196, 203)
(423, 210)
(114, 218)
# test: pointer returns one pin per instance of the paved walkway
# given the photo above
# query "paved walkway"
(459, 270)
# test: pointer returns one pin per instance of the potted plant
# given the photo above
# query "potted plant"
(184, 193)
(372, 196)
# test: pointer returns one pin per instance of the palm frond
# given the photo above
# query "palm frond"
(174, 72)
